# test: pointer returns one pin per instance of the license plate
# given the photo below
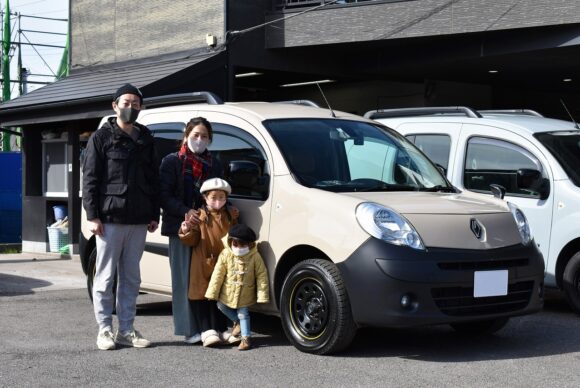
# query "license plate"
(490, 283)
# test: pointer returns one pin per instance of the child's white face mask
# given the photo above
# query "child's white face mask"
(215, 204)
(240, 251)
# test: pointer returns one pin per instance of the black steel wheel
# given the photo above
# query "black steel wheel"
(571, 282)
(315, 308)
(489, 326)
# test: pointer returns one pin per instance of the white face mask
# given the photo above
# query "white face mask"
(240, 251)
(197, 146)
(215, 205)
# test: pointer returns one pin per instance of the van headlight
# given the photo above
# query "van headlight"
(387, 225)
(522, 223)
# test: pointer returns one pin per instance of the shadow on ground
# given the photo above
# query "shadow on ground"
(12, 285)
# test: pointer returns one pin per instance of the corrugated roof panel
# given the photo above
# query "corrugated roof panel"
(101, 83)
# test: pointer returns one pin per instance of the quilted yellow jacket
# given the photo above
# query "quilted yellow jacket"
(239, 281)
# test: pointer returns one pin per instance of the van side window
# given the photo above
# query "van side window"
(489, 161)
(232, 145)
(167, 137)
(436, 147)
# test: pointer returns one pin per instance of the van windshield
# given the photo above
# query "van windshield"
(345, 156)
(565, 147)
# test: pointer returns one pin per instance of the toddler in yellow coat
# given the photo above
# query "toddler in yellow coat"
(239, 280)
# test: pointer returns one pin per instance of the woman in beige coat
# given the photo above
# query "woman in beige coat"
(239, 280)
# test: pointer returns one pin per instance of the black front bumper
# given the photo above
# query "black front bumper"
(438, 284)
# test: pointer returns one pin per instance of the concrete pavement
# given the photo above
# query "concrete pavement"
(27, 273)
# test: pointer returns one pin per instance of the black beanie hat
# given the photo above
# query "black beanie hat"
(243, 233)
(128, 89)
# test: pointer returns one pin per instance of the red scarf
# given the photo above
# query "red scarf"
(194, 165)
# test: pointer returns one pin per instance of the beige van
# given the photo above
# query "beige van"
(356, 226)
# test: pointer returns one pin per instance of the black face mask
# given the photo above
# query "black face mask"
(128, 115)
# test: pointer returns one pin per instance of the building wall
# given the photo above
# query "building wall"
(370, 21)
(109, 31)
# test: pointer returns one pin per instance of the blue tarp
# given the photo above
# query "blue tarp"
(10, 197)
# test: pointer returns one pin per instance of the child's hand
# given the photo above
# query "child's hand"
(187, 224)
(192, 216)
(234, 212)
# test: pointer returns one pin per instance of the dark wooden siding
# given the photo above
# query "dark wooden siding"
(372, 21)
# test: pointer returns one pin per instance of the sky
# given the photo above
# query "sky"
(34, 57)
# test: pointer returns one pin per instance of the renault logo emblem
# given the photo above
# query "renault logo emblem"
(477, 229)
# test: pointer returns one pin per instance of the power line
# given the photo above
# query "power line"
(14, 45)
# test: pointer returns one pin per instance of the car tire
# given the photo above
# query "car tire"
(315, 308)
(489, 326)
(571, 282)
(91, 269)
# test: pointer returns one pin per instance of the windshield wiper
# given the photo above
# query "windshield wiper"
(439, 188)
(384, 187)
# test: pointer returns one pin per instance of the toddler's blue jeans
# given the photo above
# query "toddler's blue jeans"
(242, 314)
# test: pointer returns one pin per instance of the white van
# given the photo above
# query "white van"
(356, 226)
(535, 159)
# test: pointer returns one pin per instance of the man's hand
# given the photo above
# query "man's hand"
(96, 227)
(152, 227)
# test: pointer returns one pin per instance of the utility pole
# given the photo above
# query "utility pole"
(9, 45)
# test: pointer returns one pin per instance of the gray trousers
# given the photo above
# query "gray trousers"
(118, 250)
(179, 259)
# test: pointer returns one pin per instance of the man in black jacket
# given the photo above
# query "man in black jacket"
(120, 196)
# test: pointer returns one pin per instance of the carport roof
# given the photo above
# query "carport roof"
(62, 99)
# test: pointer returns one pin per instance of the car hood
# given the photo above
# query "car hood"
(445, 220)
(433, 203)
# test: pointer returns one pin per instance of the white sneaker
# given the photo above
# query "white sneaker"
(234, 339)
(132, 338)
(193, 339)
(105, 339)
(210, 338)
(225, 336)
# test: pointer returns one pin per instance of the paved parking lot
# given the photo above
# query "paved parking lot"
(49, 340)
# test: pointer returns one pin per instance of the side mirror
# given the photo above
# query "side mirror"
(498, 191)
(532, 180)
(245, 178)
(442, 169)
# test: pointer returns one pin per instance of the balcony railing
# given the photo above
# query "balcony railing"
(285, 4)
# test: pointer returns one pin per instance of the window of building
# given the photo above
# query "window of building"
(55, 168)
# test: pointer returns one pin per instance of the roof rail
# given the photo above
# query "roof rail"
(183, 98)
(422, 111)
(525, 112)
(299, 102)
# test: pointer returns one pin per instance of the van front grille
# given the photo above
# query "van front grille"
(482, 265)
(459, 301)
